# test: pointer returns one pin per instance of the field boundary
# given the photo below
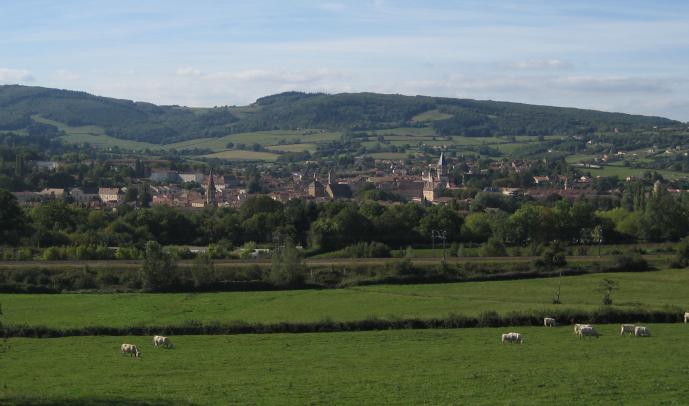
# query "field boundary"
(603, 315)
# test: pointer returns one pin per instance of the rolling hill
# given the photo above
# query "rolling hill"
(33, 109)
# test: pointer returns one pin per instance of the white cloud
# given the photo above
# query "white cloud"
(8, 75)
(278, 76)
(539, 64)
(188, 71)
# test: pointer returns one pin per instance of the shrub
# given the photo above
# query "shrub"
(682, 249)
(372, 249)
(630, 263)
(493, 248)
(553, 257)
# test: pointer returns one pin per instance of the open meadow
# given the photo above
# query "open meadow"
(655, 290)
(411, 367)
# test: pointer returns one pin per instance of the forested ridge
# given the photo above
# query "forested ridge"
(293, 110)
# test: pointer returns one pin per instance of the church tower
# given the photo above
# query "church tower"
(210, 191)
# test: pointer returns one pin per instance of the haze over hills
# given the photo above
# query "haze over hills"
(31, 109)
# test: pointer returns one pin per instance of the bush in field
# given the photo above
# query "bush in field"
(553, 257)
(287, 268)
(247, 249)
(223, 249)
(53, 254)
(682, 256)
(630, 263)
(127, 252)
(158, 271)
(180, 252)
(493, 248)
(372, 249)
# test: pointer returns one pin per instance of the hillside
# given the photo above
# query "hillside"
(31, 109)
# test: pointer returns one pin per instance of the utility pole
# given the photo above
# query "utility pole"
(442, 235)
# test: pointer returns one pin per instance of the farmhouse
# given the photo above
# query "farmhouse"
(111, 195)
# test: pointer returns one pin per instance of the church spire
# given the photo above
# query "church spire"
(210, 190)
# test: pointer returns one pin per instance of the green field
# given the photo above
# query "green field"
(94, 135)
(411, 367)
(649, 290)
(622, 172)
(293, 147)
(241, 155)
(430, 115)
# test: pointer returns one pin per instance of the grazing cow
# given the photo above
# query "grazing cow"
(512, 338)
(642, 331)
(549, 322)
(162, 341)
(130, 349)
(578, 327)
(626, 328)
(686, 317)
(588, 331)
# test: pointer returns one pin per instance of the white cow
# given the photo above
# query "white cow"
(512, 338)
(130, 349)
(588, 331)
(686, 317)
(549, 322)
(578, 327)
(626, 328)
(642, 331)
(162, 341)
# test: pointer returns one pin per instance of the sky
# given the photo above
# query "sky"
(629, 56)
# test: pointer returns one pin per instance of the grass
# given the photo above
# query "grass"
(650, 290)
(430, 115)
(462, 366)
(294, 147)
(94, 135)
(623, 172)
(241, 155)
(264, 138)
(389, 155)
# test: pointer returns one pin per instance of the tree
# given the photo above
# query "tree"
(145, 198)
(13, 223)
(682, 256)
(158, 269)
(606, 287)
(131, 195)
(287, 268)
(203, 271)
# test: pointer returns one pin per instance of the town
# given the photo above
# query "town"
(336, 202)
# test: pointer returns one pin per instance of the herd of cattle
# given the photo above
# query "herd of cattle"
(580, 330)
(586, 330)
(133, 350)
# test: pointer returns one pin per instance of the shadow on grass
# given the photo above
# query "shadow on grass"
(87, 401)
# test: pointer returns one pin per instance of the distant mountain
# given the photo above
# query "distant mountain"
(291, 110)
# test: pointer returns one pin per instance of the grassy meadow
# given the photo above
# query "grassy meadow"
(410, 367)
(649, 290)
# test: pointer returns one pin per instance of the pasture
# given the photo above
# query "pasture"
(649, 290)
(460, 366)
(242, 155)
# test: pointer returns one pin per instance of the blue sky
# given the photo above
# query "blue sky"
(630, 56)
